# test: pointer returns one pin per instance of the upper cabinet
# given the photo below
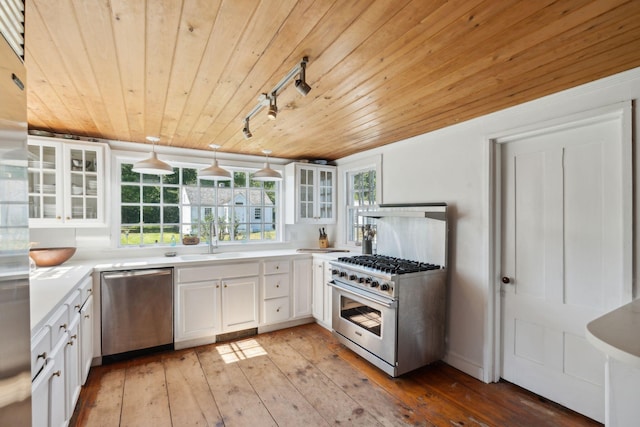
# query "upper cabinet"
(310, 194)
(67, 183)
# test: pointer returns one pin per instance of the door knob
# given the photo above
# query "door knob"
(505, 280)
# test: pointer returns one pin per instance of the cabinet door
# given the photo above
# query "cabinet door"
(197, 310)
(239, 303)
(86, 339)
(72, 353)
(302, 287)
(318, 290)
(84, 184)
(325, 205)
(45, 189)
(40, 396)
(57, 407)
(327, 295)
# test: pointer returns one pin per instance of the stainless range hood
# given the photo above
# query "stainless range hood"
(411, 231)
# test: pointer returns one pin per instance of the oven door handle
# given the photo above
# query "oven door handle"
(387, 304)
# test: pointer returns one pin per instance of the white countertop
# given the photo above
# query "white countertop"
(617, 333)
(51, 285)
(48, 286)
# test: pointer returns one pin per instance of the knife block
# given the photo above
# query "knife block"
(323, 243)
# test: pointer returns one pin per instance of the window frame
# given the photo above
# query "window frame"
(123, 157)
(348, 170)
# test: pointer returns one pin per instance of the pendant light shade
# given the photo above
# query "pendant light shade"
(153, 165)
(214, 172)
(266, 173)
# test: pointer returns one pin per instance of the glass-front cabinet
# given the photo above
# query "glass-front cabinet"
(311, 194)
(66, 183)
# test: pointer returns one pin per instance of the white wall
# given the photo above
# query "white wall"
(453, 165)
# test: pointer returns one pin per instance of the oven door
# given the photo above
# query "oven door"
(368, 321)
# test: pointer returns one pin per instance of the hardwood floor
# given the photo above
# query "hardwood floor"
(299, 377)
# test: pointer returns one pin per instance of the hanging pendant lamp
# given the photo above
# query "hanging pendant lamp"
(153, 165)
(266, 173)
(214, 172)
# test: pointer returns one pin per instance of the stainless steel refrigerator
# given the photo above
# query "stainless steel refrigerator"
(15, 329)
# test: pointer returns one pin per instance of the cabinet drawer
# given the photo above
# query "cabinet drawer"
(86, 289)
(40, 350)
(74, 303)
(59, 323)
(195, 274)
(217, 272)
(276, 310)
(277, 266)
(276, 286)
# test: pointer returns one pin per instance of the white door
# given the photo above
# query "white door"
(565, 253)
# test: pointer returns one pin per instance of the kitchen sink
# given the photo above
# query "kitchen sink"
(202, 257)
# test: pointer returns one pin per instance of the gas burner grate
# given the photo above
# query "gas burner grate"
(389, 264)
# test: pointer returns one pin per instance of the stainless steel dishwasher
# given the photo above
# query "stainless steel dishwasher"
(137, 311)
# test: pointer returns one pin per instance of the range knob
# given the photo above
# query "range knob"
(384, 287)
(334, 271)
(368, 280)
(343, 274)
(375, 284)
(353, 277)
(361, 280)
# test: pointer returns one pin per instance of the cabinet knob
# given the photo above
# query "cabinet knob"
(217, 286)
(225, 286)
(42, 355)
(277, 267)
(63, 326)
(278, 285)
(278, 309)
(68, 217)
(86, 316)
(506, 280)
(57, 373)
(90, 290)
(75, 336)
(77, 306)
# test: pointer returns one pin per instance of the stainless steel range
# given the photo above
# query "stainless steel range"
(390, 307)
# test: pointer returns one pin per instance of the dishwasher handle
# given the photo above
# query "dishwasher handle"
(136, 273)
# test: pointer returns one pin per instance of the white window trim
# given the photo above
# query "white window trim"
(118, 157)
(372, 162)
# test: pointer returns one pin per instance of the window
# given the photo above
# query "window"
(154, 209)
(361, 194)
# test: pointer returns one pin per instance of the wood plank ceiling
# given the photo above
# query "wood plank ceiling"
(189, 71)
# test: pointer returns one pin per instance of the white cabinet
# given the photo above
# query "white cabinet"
(67, 183)
(302, 287)
(214, 299)
(310, 194)
(58, 358)
(86, 338)
(322, 292)
(275, 292)
(239, 303)
(198, 311)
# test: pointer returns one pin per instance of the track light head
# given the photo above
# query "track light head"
(247, 133)
(273, 107)
(301, 84)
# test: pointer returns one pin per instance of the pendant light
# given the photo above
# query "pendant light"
(153, 165)
(214, 172)
(266, 173)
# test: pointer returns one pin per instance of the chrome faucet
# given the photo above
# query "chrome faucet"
(212, 235)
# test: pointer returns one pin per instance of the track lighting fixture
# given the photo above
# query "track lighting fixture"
(152, 165)
(266, 173)
(214, 172)
(273, 107)
(269, 100)
(247, 133)
(301, 83)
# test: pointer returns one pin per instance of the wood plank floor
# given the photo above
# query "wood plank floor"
(299, 377)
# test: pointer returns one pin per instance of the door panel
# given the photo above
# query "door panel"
(563, 248)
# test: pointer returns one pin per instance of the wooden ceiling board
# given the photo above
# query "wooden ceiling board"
(381, 71)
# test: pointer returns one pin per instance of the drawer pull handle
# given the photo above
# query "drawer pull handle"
(73, 337)
(89, 290)
(277, 267)
(277, 285)
(63, 326)
(86, 316)
(77, 306)
(217, 286)
(57, 373)
(42, 355)
(278, 310)
(225, 286)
